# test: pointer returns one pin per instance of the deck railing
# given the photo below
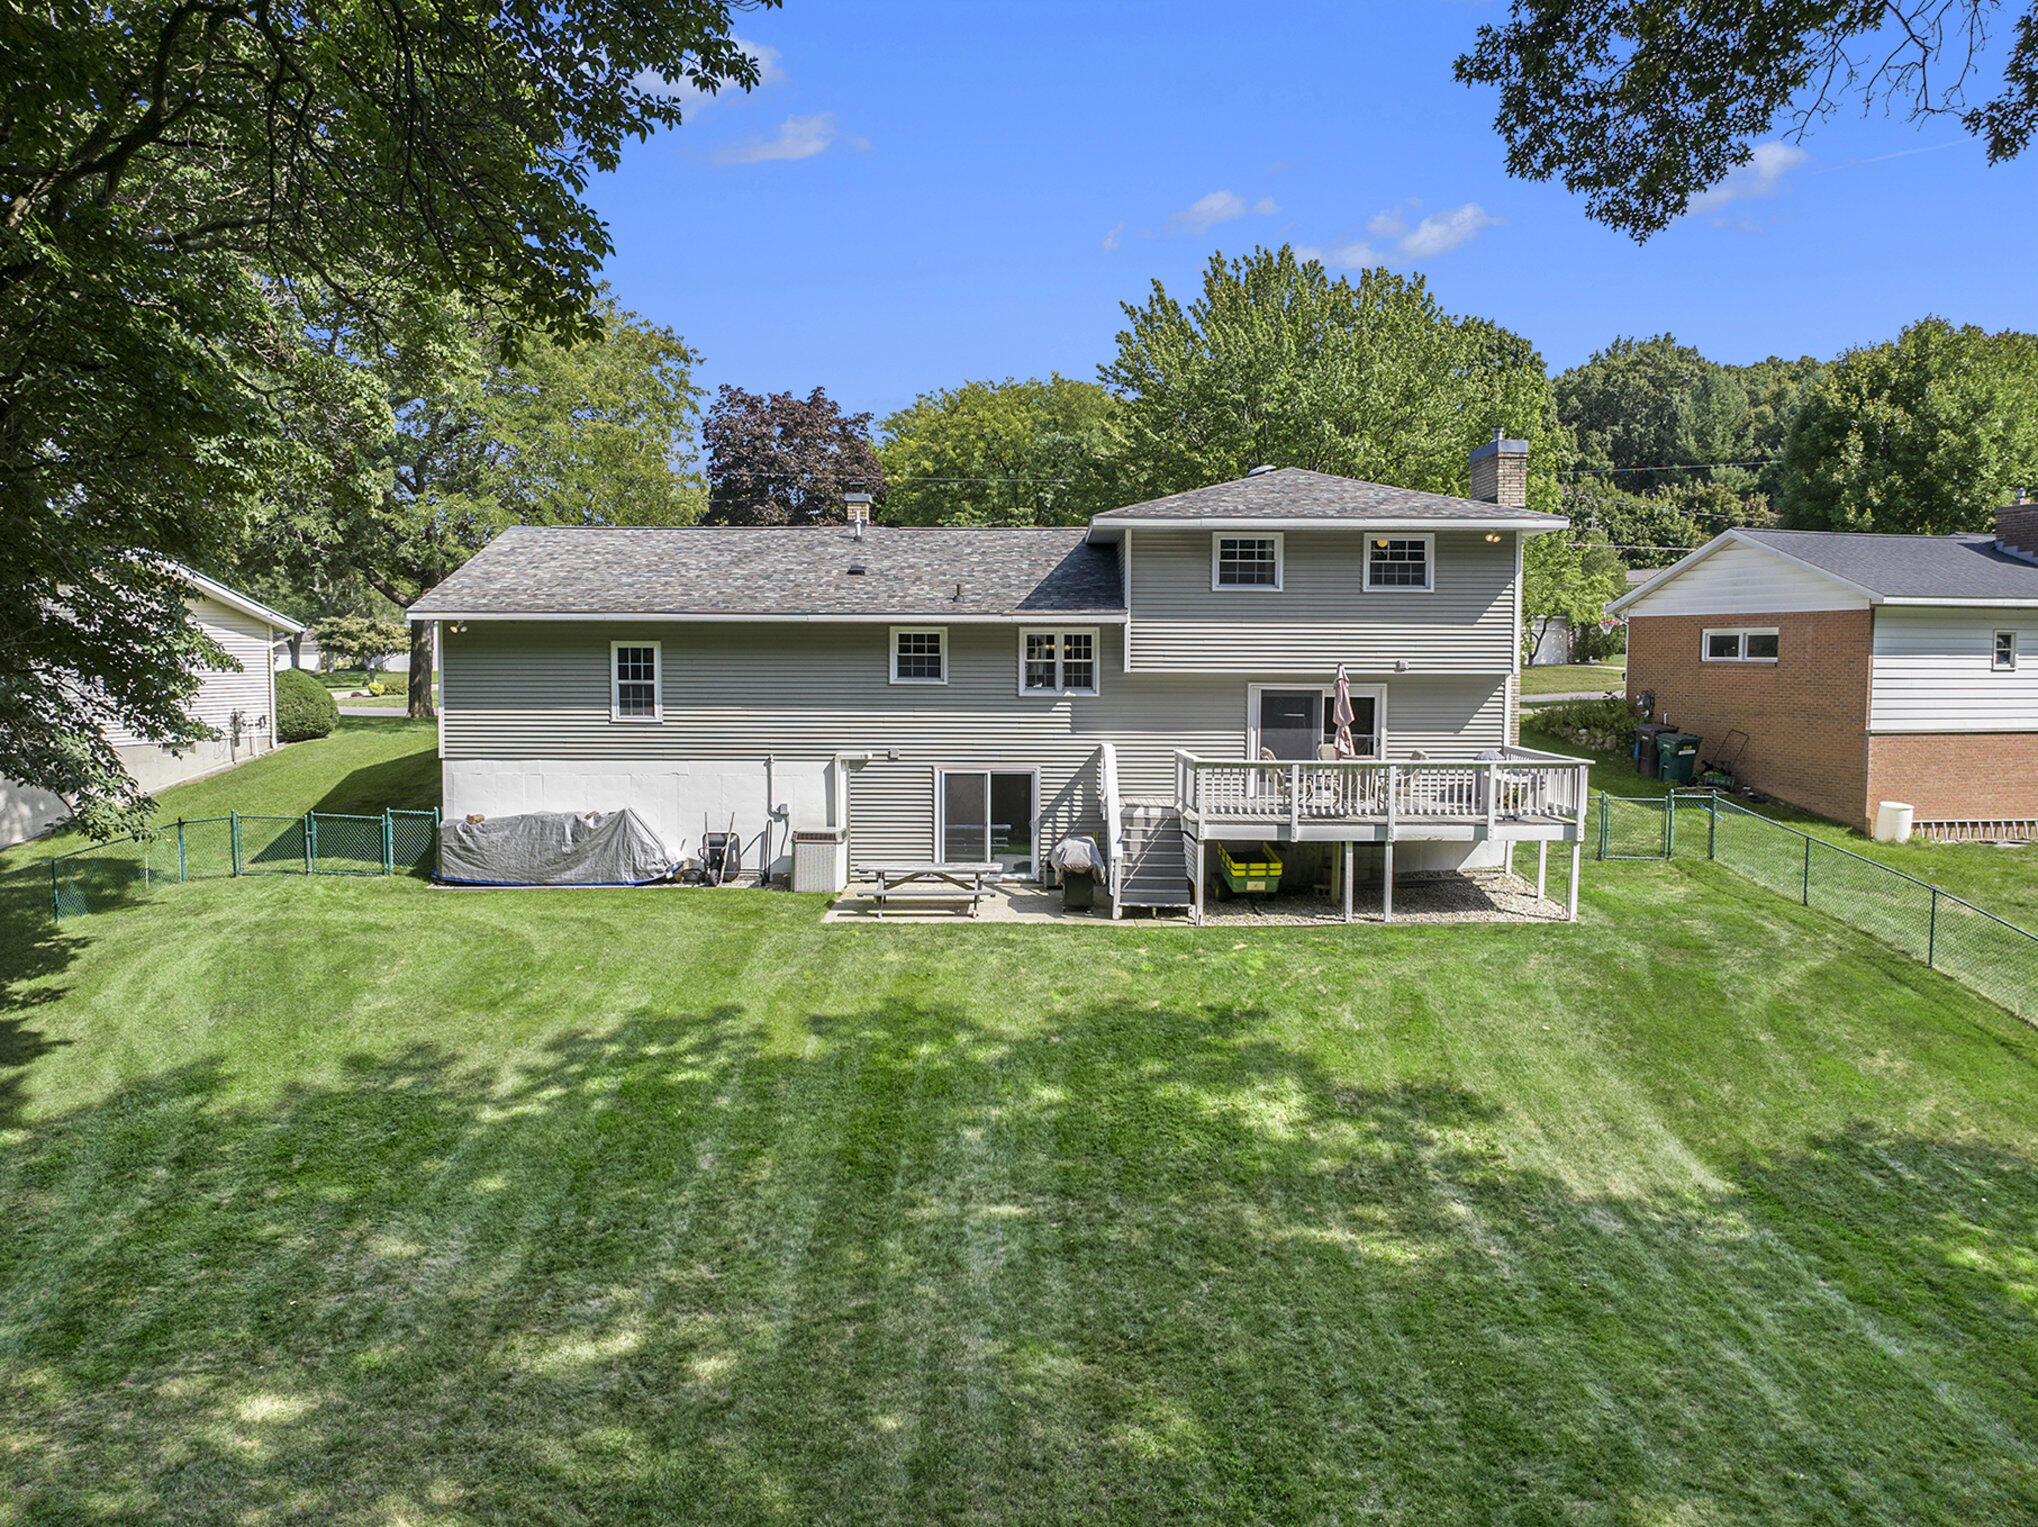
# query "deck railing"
(1526, 784)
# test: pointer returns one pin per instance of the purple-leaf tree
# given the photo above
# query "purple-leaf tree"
(785, 460)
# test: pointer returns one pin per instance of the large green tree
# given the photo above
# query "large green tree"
(179, 183)
(462, 442)
(1568, 578)
(1924, 434)
(1275, 363)
(1642, 104)
(1641, 405)
(1004, 453)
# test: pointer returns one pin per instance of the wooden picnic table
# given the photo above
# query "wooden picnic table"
(924, 880)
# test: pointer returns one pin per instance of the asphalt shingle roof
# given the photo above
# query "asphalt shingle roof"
(803, 570)
(1294, 493)
(1910, 567)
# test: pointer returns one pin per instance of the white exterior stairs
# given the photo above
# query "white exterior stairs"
(1154, 871)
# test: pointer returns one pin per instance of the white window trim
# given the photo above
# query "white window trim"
(1996, 665)
(657, 684)
(1429, 563)
(1376, 692)
(1279, 538)
(892, 662)
(1061, 687)
(1741, 633)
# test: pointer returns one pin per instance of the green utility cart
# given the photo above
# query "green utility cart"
(1257, 874)
(1676, 757)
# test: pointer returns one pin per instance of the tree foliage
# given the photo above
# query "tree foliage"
(1004, 453)
(359, 641)
(1642, 404)
(305, 708)
(1641, 104)
(1565, 577)
(460, 443)
(1924, 434)
(1647, 531)
(1275, 363)
(778, 459)
(179, 184)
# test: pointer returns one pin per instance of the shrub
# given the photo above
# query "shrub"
(1605, 725)
(305, 708)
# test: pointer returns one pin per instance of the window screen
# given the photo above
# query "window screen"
(1722, 644)
(2006, 650)
(918, 656)
(636, 681)
(1394, 563)
(1078, 660)
(1248, 562)
(1040, 655)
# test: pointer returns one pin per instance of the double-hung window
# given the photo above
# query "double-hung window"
(2005, 659)
(634, 681)
(1057, 662)
(1750, 645)
(1400, 562)
(919, 655)
(1245, 562)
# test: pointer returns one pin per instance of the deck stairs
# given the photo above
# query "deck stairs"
(1155, 868)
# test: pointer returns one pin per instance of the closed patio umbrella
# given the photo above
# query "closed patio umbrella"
(1341, 713)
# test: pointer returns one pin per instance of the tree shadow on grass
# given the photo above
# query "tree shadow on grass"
(900, 1264)
(408, 782)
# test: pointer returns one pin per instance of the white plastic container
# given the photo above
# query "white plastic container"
(1893, 822)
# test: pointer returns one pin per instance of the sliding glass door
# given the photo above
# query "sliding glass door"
(986, 817)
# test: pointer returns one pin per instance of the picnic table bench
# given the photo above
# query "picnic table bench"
(924, 880)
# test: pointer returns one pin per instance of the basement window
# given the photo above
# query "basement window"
(633, 681)
(2005, 652)
(1749, 645)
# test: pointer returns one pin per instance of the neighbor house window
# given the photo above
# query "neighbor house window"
(1757, 645)
(633, 681)
(919, 655)
(1058, 662)
(1245, 562)
(2006, 652)
(1399, 562)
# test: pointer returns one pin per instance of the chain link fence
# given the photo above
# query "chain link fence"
(1970, 944)
(119, 871)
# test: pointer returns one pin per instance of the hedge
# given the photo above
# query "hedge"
(305, 708)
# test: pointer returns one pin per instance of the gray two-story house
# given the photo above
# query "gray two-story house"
(1161, 679)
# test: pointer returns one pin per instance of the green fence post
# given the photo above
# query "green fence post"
(310, 844)
(1807, 869)
(1712, 826)
(56, 901)
(183, 870)
(1932, 932)
(1602, 826)
(1669, 824)
(388, 843)
(233, 828)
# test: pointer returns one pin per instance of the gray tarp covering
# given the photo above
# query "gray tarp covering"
(553, 848)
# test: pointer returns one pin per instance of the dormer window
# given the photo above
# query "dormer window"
(1245, 562)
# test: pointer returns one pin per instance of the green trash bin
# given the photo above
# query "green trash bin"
(1676, 758)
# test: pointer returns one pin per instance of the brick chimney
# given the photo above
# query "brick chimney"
(856, 508)
(1500, 472)
(2017, 527)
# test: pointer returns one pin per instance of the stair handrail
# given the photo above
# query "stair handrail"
(1114, 818)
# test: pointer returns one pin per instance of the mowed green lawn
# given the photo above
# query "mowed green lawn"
(357, 1201)
(1572, 678)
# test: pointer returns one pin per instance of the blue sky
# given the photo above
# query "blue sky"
(922, 194)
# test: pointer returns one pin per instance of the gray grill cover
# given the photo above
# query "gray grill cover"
(553, 848)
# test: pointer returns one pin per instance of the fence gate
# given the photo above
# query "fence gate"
(1635, 827)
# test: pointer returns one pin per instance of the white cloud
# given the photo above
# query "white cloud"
(1206, 212)
(692, 98)
(1441, 232)
(1762, 175)
(1355, 255)
(796, 138)
(1114, 238)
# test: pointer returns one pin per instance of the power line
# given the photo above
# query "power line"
(1670, 466)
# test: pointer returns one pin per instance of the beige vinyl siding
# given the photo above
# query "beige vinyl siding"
(1322, 613)
(223, 691)
(533, 690)
(1740, 579)
(1933, 671)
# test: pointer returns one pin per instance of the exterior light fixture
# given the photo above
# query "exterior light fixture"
(1401, 665)
(1493, 535)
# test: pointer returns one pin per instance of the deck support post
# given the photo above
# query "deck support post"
(1199, 880)
(1577, 850)
(1542, 865)
(1348, 880)
(1387, 881)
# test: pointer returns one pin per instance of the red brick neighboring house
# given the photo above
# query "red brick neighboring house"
(1863, 668)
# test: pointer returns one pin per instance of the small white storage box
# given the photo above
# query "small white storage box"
(819, 862)
(1893, 822)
